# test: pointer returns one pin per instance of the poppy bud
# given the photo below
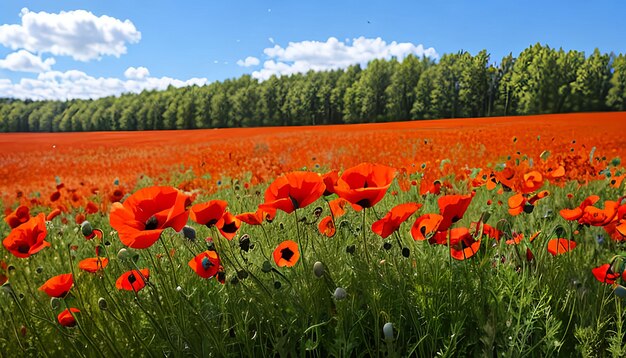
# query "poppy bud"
(318, 269)
(350, 249)
(189, 233)
(388, 331)
(620, 291)
(387, 246)
(39, 269)
(340, 294)
(277, 285)
(23, 331)
(55, 303)
(86, 228)
(267, 267)
(6, 287)
(102, 303)
(123, 254)
(244, 242)
(242, 274)
(406, 252)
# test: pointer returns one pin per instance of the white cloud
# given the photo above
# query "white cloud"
(79, 34)
(138, 73)
(249, 61)
(77, 84)
(24, 61)
(303, 56)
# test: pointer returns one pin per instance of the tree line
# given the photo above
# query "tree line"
(540, 80)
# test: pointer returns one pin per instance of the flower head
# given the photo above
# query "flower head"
(28, 238)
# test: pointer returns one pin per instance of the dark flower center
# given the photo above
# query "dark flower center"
(364, 203)
(23, 248)
(286, 253)
(152, 223)
(423, 230)
(455, 219)
(211, 223)
(132, 278)
(294, 202)
(206, 263)
(229, 228)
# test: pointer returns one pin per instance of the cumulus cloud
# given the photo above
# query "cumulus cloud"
(77, 84)
(79, 34)
(249, 61)
(138, 73)
(303, 56)
(24, 61)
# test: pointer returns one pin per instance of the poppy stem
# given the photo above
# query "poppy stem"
(170, 259)
(367, 254)
(302, 247)
(80, 328)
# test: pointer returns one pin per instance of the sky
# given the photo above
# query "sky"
(66, 49)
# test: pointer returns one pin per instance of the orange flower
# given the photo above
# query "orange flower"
(326, 226)
(53, 214)
(577, 213)
(560, 246)
(519, 203)
(133, 280)
(337, 207)
(286, 254)
(145, 214)
(91, 208)
(462, 244)
(293, 191)
(93, 264)
(452, 208)
(18, 217)
(394, 218)
(425, 226)
(330, 180)
(66, 319)
(253, 218)
(599, 217)
(28, 238)
(532, 181)
(58, 286)
(228, 225)
(205, 264)
(208, 213)
(365, 184)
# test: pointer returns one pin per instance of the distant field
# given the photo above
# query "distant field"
(29, 162)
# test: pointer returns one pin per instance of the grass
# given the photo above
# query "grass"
(495, 304)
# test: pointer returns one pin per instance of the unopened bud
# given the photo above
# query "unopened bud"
(318, 269)
(340, 294)
(102, 303)
(123, 254)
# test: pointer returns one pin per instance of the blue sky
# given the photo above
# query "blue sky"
(113, 47)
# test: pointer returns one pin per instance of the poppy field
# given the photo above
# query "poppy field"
(489, 237)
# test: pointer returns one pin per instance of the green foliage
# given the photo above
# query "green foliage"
(540, 80)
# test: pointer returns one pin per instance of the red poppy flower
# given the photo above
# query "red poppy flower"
(330, 180)
(519, 203)
(253, 218)
(93, 264)
(462, 244)
(66, 319)
(604, 274)
(338, 207)
(145, 214)
(28, 238)
(425, 226)
(3, 274)
(616, 182)
(293, 191)
(91, 208)
(433, 188)
(208, 213)
(452, 208)
(577, 213)
(53, 214)
(394, 218)
(488, 230)
(365, 184)
(326, 226)
(206, 264)
(117, 195)
(532, 181)
(58, 286)
(55, 196)
(286, 254)
(560, 246)
(132, 280)
(599, 217)
(18, 217)
(80, 218)
(228, 225)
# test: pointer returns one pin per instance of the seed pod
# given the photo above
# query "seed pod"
(102, 303)
(318, 269)
(86, 228)
(55, 303)
(388, 331)
(340, 294)
(189, 233)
